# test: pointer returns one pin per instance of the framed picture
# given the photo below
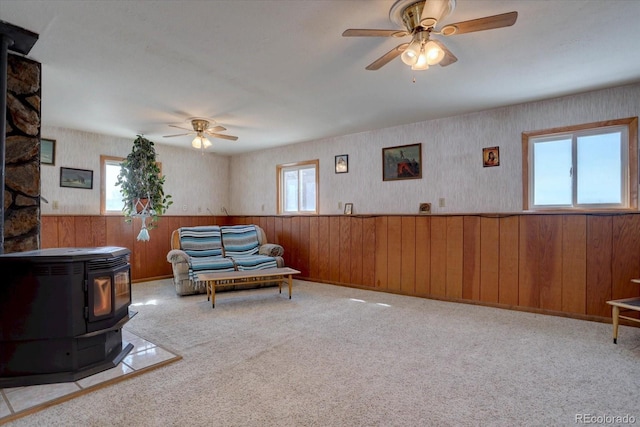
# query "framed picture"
(47, 151)
(342, 163)
(491, 156)
(425, 208)
(402, 162)
(76, 178)
(348, 208)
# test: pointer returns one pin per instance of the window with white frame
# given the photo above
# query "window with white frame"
(110, 195)
(591, 166)
(298, 187)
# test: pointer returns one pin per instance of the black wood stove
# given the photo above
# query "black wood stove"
(61, 313)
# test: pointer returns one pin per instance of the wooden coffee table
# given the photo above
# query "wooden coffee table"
(268, 275)
(620, 305)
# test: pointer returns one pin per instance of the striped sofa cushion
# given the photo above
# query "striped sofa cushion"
(240, 240)
(201, 241)
(254, 262)
(211, 264)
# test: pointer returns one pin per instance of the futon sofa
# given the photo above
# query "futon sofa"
(213, 248)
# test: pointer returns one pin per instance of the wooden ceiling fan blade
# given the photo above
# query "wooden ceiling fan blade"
(482, 24)
(449, 58)
(433, 11)
(387, 57)
(219, 135)
(354, 32)
(216, 129)
(180, 127)
(179, 134)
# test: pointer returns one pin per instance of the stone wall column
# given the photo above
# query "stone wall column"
(22, 174)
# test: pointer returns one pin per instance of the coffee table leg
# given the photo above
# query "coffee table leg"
(213, 293)
(290, 284)
(616, 321)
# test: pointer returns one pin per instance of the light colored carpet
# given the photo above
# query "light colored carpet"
(335, 356)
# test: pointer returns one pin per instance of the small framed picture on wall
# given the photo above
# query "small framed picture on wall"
(491, 156)
(342, 163)
(76, 178)
(47, 151)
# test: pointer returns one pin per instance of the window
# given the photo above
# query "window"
(298, 188)
(591, 166)
(110, 196)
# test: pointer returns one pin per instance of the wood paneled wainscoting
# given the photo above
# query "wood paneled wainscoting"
(148, 259)
(564, 264)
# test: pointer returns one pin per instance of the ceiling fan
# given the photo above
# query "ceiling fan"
(201, 129)
(419, 20)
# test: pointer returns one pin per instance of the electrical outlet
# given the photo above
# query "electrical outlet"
(339, 205)
(441, 202)
(184, 208)
(55, 205)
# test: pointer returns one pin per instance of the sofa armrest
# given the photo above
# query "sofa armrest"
(271, 249)
(176, 256)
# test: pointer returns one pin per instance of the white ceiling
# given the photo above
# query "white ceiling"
(277, 72)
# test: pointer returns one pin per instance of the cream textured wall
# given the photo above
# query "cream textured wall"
(451, 156)
(198, 184)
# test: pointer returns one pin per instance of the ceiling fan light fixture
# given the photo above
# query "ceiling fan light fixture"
(200, 142)
(409, 57)
(412, 52)
(433, 53)
(422, 63)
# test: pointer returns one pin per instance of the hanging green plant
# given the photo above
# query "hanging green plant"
(141, 185)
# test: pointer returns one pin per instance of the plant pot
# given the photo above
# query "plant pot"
(140, 205)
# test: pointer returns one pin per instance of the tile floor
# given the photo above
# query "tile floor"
(144, 355)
